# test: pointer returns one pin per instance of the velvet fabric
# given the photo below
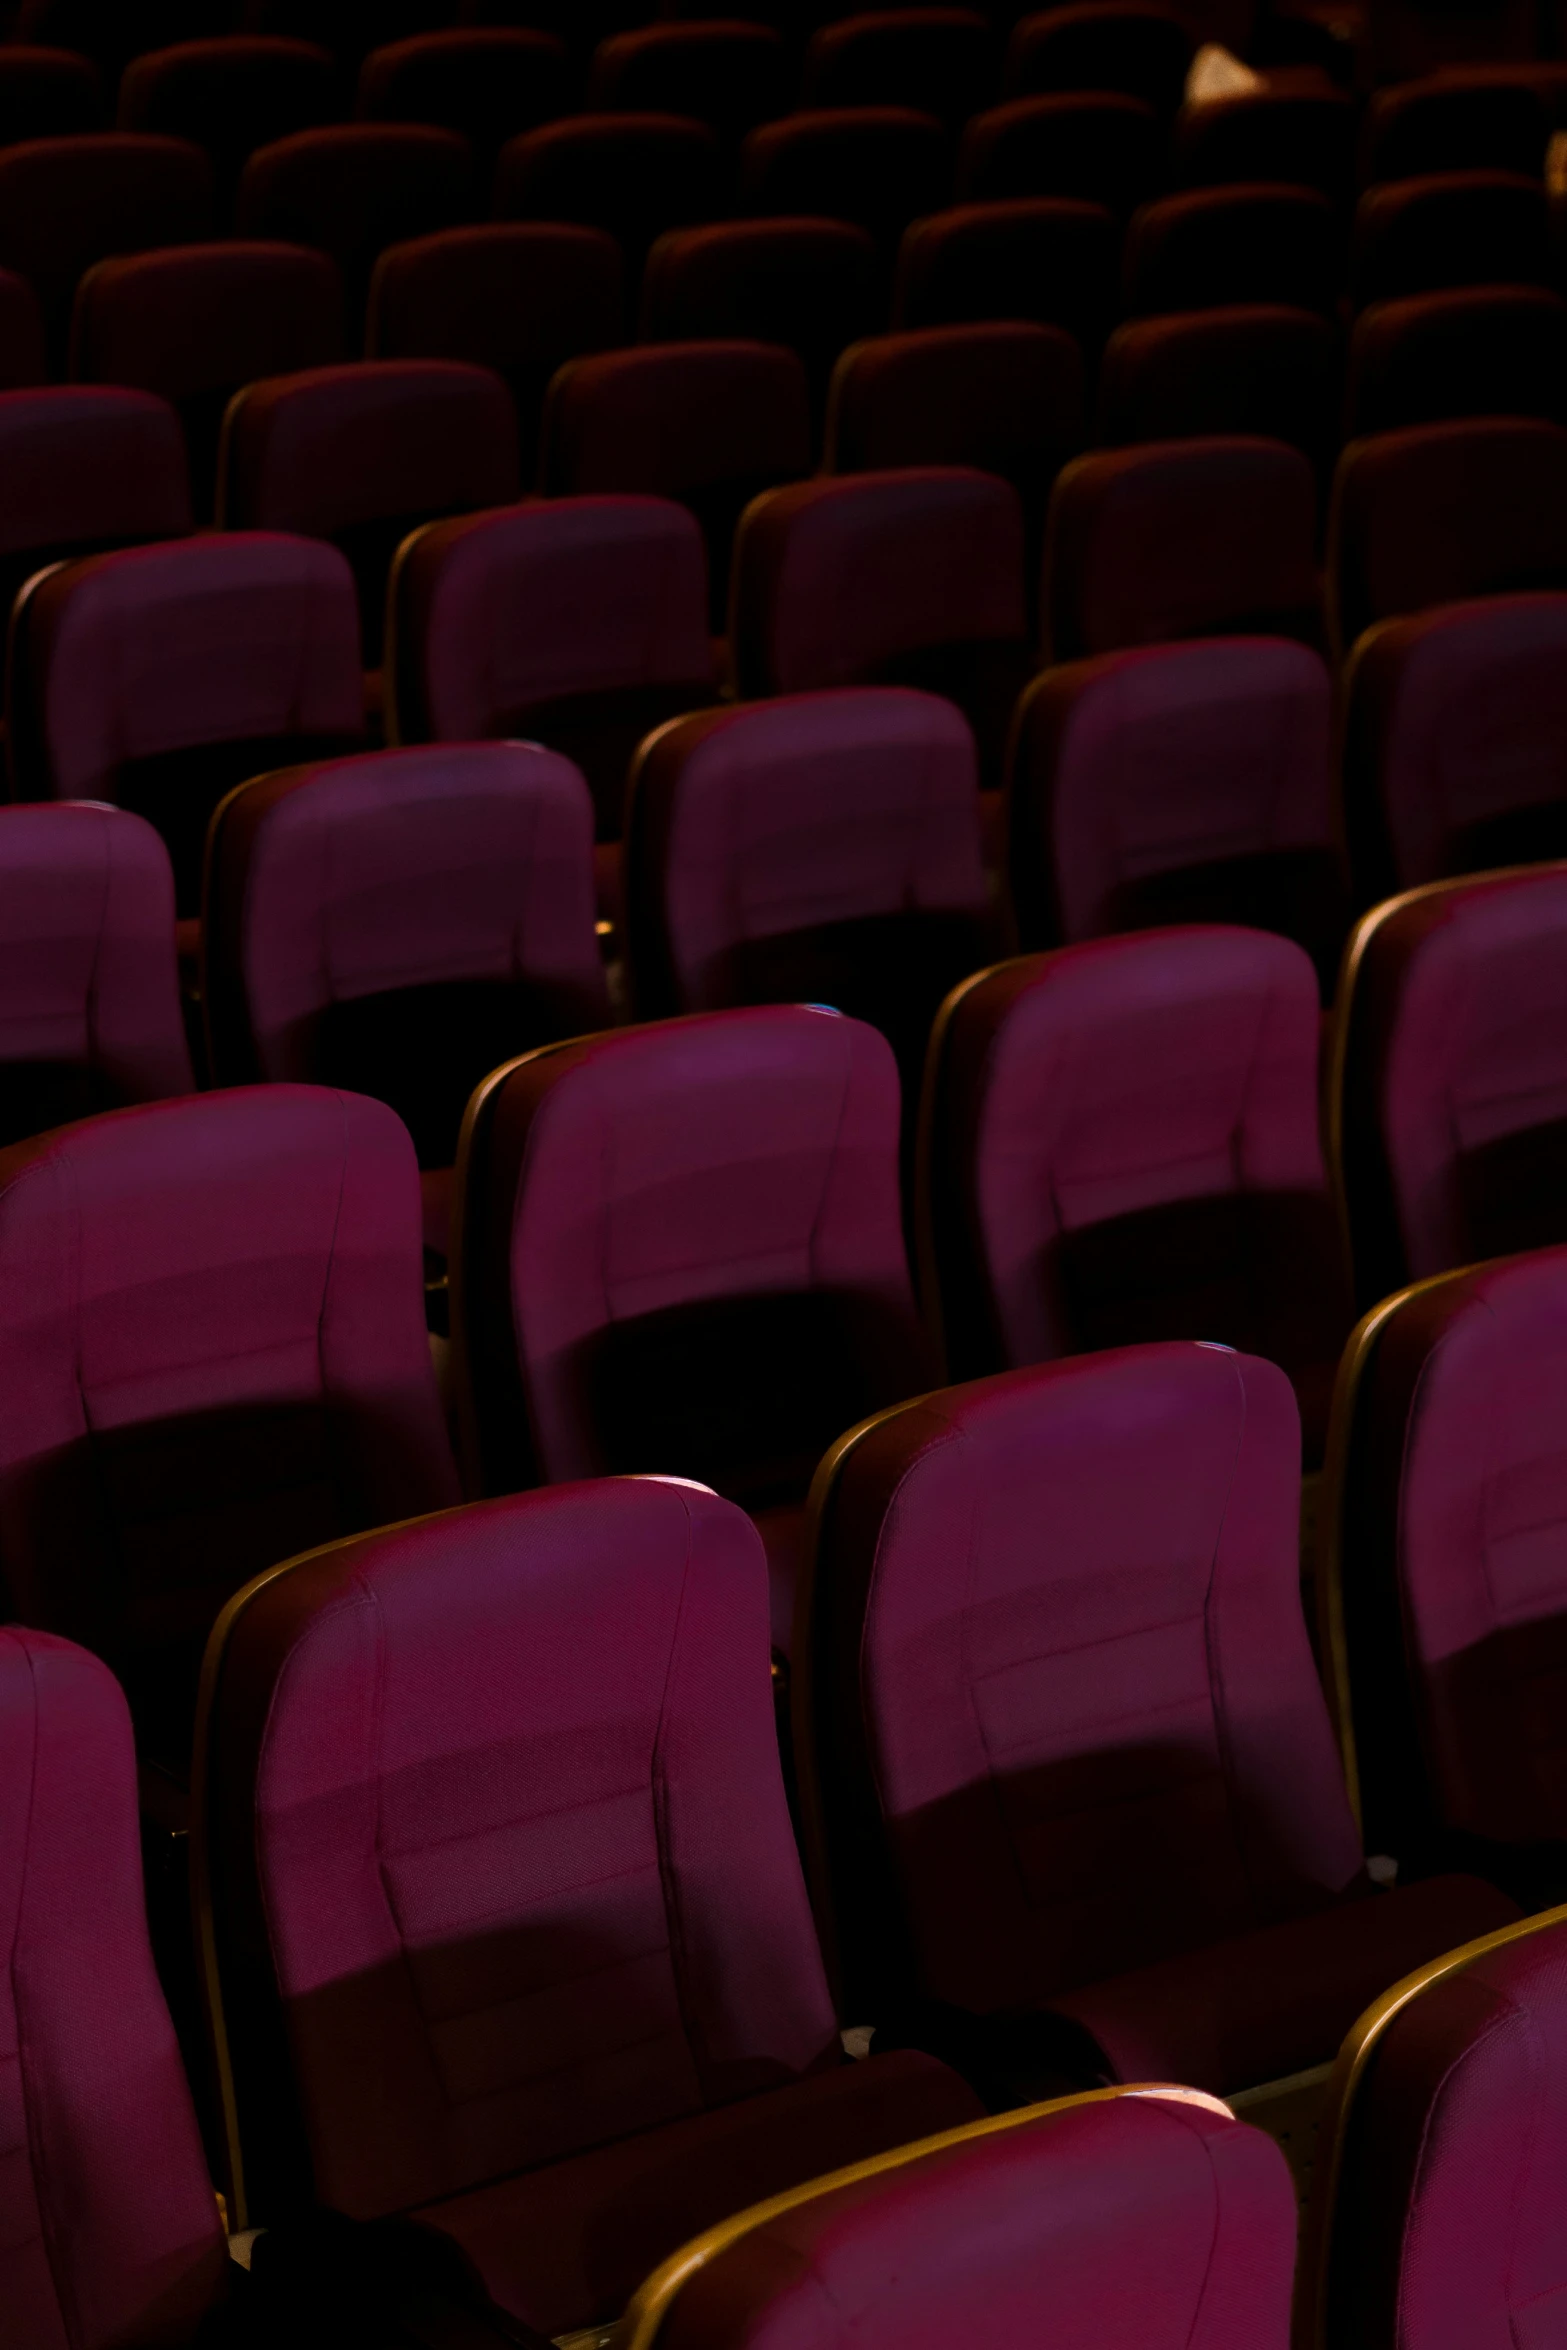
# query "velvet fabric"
(203, 319)
(68, 202)
(730, 75)
(1458, 228)
(1140, 49)
(939, 61)
(1478, 351)
(111, 2232)
(1209, 247)
(1302, 136)
(1180, 539)
(1051, 259)
(1149, 2223)
(1093, 144)
(1257, 368)
(634, 175)
(877, 166)
(1122, 1145)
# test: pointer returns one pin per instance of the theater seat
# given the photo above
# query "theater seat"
(878, 167)
(1304, 137)
(487, 83)
(1120, 1144)
(632, 175)
(1208, 248)
(351, 189)
(1455, 121)
(1461, 228)
(112, 2228)
(552, 1897)
(1050, 259)
(939, 61)
(1255, 368)
(68, 202)
(1080, 1805)
(1478, 351)
(1449, 1107)
(1134, 46)
(679, 1249)
(1093, 144)
(399, 924)
(229, 95)
(83, 469)
(1150, 2217)
(730, 75)
(213, 1347)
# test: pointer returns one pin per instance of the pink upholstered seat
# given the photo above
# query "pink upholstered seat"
(67, 202)
(633, 175)
(352, 189)
(497, 1820)
(82, 469)
(1254, 367)
(809, 284)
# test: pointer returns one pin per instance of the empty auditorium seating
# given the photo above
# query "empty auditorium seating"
(113, 2231)
(729, 75)
(1481, 351)
(195, 323)
(212, 1341)
(363, 454)
(820, 849)
(111, 32)
(1305, 137)
(1447, 2154)
(1120, 1144)
(1150, 2216)
(634, 175)
(1455, 122)
(1450, 1083)
(66, 203)
(158, 677)
(711, 424)
(229, 96)
(399, 924)
(1047, 258)
(488, 85)
(590, 1662)
(1134, 46)
(1443, 511)
(577, 622)
(352, 189)
(1256, 368)
(1094, 144)
(1207, 248)
(48, 94)
(877, 166)
(679, 1250)
(1453, 742)
(1178, 539)
(899, 578)
(1453, 229)
(22, 360)
(809, 284)
(82, 469)
(937, 60)
(1080, 1805)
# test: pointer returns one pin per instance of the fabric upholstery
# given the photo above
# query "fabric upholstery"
(730, 76)
(1458, 228)
(1093, 144)
(1148, 2221)
(1302, 136)
(48, 93)
(67, 202)
(1255, 368)
(1004, 396)
(487, 83)
(634, 175)
(877, 166)
(352, 189)
(206, 318)
(1455, 122)
(1208, 247)
(1454, 1109)
(1142, 50)
(937, 60)
(212, 1345)
(111, 2228)
(1122, 1145)
(1478, 351)
(1050, 259)
(1180, 539)
(86, 467)
(498, 1811)
(229, 95)
(808, 284)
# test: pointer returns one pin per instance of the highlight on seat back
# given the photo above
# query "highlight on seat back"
(730, 75)
(1120, 1144)
(1051, 259)
(1147, 2216)
(1449, 1113)
(1207, 248)
(1478, 351)
(1254, 368)
(808, 284)
(487, 83)
(112, 2228)
(399, 924)
(632, 175)
(1178, 783)
(352, 189)
(1094, 144)
(364, 453)
(85, 468)
(1067, 1768)
(1305, 137)
(1459, 228)
(1453, 729)
(1135, 46)
(1455, 122)
(939, 61)
(66, 203)
(824, 848)
(580, 623)
(497, 1832)
(680, 1250)
(229, 95)
(711, 424)
(908, 577)
(159, 677)
(877, 166)
(1439, 512)
(1178, 539)
(89, 992)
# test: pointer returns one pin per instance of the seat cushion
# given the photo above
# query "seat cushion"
(1263, 2005)
(565, 2247)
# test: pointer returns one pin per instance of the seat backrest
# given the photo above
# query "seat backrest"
(580, 622)
(1257, 368)
(89, 993)
(730, 76)
(1209, 247)
(1135, 46)
(1451, 1076)
(1439, 512)
(352, 189)
(48, 93)
(1093, 144)
(229, 95)
(1004, 396)
(1462, 228)
(487, 83)
(1454, 122)
(1453, 748)
(1050, 258)
(66, 203)
(572, 1676)
(400, 923)
(112, 2229)
(85, 468)
(809, 284)
(1053, 1679)
(877, 166)
(939, 61)
(1478, 351)
(1150, 2221)
(681, 1250)
(1180, 539)
(1304, 137)
(633, 175)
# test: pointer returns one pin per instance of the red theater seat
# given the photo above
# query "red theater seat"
(580, 623)
(937, 60)
(82, 469)
(1079, 1798)
(489, 86)
(1484, 351)
(1454, 732)
(1120, 1144)
(1091, 144)
(633, 175)
(113, 2232)
(1450, 1082)
(679, 1250)
(400, 924)
(876, 166)
(1049, 259)
(808, 284)
(353, 189)
(1256, 368)
(1303, 137)
(48, 94)
(729, 75)
(1462, 228)
(66, 203)
(1455, 122)
(1180, 539)
(499, 1833)
(212, 1340)
(230, 96)
(363, 454)
(1134, 46)
(1209, 248)
(159, 677)
(111, 32)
